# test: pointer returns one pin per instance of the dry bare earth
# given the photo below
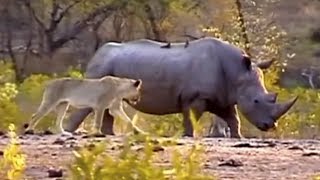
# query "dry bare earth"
(224, 158)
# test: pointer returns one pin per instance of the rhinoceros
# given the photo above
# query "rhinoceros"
(207, 74)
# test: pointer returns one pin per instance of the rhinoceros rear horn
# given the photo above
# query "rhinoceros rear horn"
(281, 109)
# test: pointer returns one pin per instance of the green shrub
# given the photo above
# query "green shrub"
(30, 96)
(74, 73)
(92, 162)
(9, 110)
(13, 163)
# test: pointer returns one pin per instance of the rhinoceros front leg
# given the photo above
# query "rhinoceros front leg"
(107, 125)
(76, 118)
(230, 115)
(198, 107)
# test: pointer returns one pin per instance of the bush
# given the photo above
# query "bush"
(9, 110)
(93, 163)
(13, 163)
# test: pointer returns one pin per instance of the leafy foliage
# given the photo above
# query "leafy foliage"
(13, 162)
(92, 162)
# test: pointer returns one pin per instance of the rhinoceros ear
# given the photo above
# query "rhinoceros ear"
(247, 61)
(265, 64)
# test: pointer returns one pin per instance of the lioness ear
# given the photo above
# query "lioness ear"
(137, 83)
(247, 62)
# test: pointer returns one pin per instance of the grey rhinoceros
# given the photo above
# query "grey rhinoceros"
(207, 74)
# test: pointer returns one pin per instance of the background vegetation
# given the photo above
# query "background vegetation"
(41, 40)
(45, 39)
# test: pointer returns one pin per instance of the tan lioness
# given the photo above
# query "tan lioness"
(98, 94)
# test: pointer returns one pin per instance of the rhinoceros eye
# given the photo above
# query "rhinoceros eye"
(256, 101)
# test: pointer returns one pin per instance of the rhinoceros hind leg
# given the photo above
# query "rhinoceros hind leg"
(107, 124)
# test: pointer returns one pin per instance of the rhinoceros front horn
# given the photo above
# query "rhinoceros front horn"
(281, 109)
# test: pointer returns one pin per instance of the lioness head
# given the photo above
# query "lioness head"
(132, 91)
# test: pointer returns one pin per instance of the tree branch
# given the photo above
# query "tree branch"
(154, 26)
(57, 16)
(82, 24)
(95, 28)
(33, 13)
(243, 27)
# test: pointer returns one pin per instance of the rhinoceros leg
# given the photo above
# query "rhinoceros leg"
(107, 125)
(219, 128)
(198, 107)
(76, 119)
(230, 115)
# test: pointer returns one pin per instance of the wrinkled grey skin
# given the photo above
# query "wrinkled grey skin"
(208, 75)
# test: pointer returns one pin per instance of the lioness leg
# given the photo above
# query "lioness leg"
(45, 107)
(116, 109)
(98, 118)
(61, 111)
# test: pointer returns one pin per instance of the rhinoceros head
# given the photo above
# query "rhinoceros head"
(257, 104)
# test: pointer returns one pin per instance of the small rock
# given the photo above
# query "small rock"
(99, 135)
(157, 149)
(154, 149)
(55, 173)
(71, 138)
(311, 154)
(180, 143)
(270, 143)
(90, 146)
(85, 136)
(93, 136)
(231, 163)
(58, 141)
(47, 132)
(2, 133)
(286, 142)
(248, 145)
(26, 125)
(295, 148)
(242, 145)
(30, 132)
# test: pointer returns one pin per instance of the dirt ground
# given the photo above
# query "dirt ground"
(224, 158)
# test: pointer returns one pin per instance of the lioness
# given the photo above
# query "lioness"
(98, 94)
